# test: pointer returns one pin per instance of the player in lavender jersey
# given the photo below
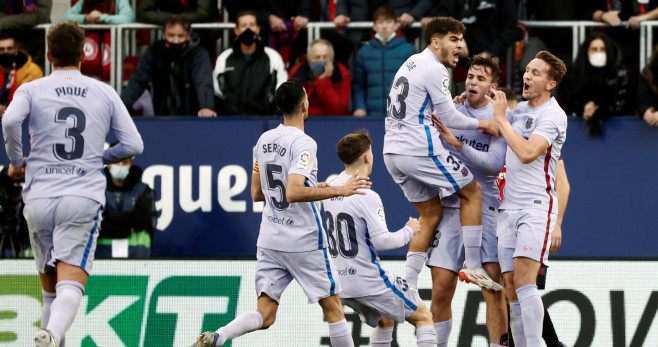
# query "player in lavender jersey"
(357, 230)
(292, 243)
(69, 116)
(413, 153)
(528, 213)
(484, 155)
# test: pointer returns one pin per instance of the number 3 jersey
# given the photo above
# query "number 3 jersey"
(421, 84)
(69, 118)
(288, 227)
(352, 222)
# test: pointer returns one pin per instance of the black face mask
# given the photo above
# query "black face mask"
(7, 59)
(176, 49)
(247, 37)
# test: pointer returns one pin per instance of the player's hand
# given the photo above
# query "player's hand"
(17, 172)
(360, 113)
(405, 19)
(323, 185)
(499, 102)
(414, 224)
(589, 110)
(556, 239)
(446, 134)
(341, 21)
(424, 21)
(355, 183)
(459, 99)
(299, 22)
(206, 112)
(277, 25)
(328, 70)
(464, 53)
(612, 18)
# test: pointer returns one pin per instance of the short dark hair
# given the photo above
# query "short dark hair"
(66, 41)
(557, 69)
(440, 26)
(245, 13)
(289, 96)
(489, 60)
(384, 12)
(177, 20)
(352, 146)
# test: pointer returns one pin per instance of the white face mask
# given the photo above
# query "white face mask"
(119, 172)
(597, 59)
(385, 40)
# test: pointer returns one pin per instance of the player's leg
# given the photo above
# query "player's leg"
(444, 283)
(382, 335)
(507, 241)
(496, 308)
(516, 317)
(422, 320)
(532, 308)
(339, 331)
(430, 213)
(470, 202)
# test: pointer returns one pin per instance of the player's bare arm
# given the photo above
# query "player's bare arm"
(296, 191)
(256, 191)
(17, 172)
(562, 189)
(527, 150)
(447, 135)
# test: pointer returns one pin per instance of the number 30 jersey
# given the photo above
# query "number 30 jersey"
(288, 227)
(70, 116)
(421, 84)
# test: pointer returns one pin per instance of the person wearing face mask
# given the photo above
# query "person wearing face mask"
(598, 85)
(247, 75)
(17, 68)
(178, 71)
(647, 91)
(327, 82)
(376, 64)
(128, 218)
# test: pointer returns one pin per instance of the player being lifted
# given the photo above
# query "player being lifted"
(484, 155)
(69, 117)
(357, 230)
(297, 248)
(413, 153)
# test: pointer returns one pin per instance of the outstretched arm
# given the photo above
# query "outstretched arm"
(297, 191)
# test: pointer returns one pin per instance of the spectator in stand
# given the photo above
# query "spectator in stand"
(17, 15)
(128, 215)
(159, 11)
(377, 63)
(599, 81)
(287, 19)
(490, 25)
(647, 91)
(247, 75)
(327, 83)
(178, 71)
(17, 68)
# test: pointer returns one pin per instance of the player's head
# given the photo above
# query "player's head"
(445, 37)
(542, 75)
(291, 99)
(245, 22)
(65, 44)
(512, 98)
(355, 150)
(176, 31)
(482, 77)
(384, 23)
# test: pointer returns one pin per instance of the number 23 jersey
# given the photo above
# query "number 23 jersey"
(288, 227)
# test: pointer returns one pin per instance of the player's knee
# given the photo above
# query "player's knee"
(424, 317)
(471, 191)
(268, 321)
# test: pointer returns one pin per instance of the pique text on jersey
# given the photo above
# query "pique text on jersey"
(75, 91)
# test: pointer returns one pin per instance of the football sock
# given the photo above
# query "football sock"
(242, 324)
(472, 245)
(381, 337)
(48, 298)
(443, 332)
(426, 336)
(532, 310)
(64, 308)
(549, 335)
(340, 334)
(495, 345)
(413, 266)
(516, 324)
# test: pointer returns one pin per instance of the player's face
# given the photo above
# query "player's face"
(385, 27)
(450, 46)
(307, 105)
(246, 22)
(478, 84)
(536, 80)
(176, 34)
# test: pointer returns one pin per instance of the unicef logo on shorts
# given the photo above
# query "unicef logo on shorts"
(81, 172)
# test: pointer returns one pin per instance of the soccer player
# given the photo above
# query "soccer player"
(69, 117)
(484, 155)
(528, 212)
(357, 230)
(413, 153)
(292, 243)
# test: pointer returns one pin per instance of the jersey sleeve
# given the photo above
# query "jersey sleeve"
(550, 126)
(493, 160)
(303, 158)
(438, 87)
(12, 123)
(130, 141)
(373, 214)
